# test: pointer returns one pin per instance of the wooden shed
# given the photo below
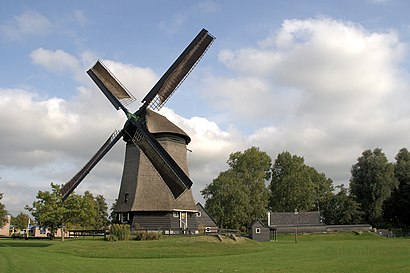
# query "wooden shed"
(260, 232)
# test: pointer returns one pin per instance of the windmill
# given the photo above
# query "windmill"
(135, 131)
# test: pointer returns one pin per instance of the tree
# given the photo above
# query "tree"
(3, 212)
(342, 209)
(371, 183)
(93, 213)
(396, 209)
(322, 187)
(239, 195)
(51, 212)
(87, 215)
(21, 221)
(253, 168)
(102, 212)
(227, 201)
(295, 185)
(113, 215)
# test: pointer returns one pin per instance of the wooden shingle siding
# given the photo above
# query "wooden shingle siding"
(153, 220)
(161, 221)
(259, 232)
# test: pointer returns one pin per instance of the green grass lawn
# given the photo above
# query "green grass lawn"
(312, 253)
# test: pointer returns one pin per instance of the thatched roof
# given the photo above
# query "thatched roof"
(158, 124)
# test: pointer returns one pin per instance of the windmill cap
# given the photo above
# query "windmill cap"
(158, 124)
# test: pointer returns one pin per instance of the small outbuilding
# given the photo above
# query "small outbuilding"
(260, 232)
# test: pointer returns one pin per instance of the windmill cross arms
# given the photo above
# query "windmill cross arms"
(178, 71)
(70, 186)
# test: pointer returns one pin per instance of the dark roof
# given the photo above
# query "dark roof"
(258, 223)
(291, 218)
(158, 124)
(206, 218)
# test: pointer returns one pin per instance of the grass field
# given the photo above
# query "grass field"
(312, 253)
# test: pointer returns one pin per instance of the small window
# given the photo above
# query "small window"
(198, 214)
(258, 230)
(126, 197)
(175, 214)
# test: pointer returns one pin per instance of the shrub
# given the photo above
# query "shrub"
(201, 228)
(146, 235)
(119, 233)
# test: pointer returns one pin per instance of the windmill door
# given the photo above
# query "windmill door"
(183, 220)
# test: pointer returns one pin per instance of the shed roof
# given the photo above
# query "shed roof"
(291, 218)
(206, 217)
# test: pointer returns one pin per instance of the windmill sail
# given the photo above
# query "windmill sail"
(69, 187)
(179, 70)
(116, 93)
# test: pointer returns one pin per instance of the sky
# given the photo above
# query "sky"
(325, 80)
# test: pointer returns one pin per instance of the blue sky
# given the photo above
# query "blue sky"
(321, 79)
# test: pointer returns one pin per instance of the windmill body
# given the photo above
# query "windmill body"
(144, 200)
(155, 186)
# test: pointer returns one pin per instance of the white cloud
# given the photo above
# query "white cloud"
(210, 146)
(55, 60)
(320, 88)
(30, 23)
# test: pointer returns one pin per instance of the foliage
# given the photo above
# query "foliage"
(371, 183)
(119, 232)
(113, 215)
(3, 212)
(227, 200)
(86, 216)
(51, 212)
(239, 195)
(295, 185)
(101, 212)
(21, 221)
(253, 168)
(141, 235)
(76, 211)
(396, 209)
(364, 253)
(93, 213)
(341, 209)
(322, 187)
